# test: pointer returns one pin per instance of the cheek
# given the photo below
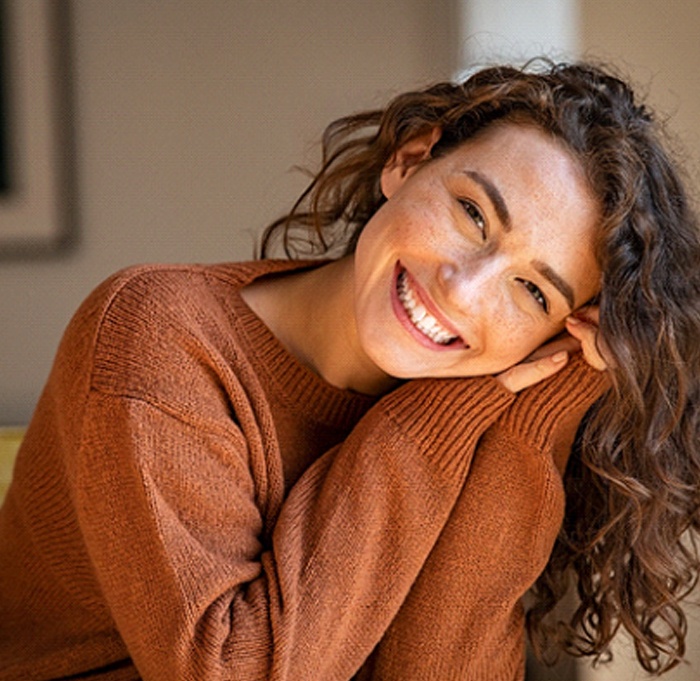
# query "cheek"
(514, 339)
(407, 222)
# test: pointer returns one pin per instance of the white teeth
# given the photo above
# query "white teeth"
(418, 313)
(421, 318)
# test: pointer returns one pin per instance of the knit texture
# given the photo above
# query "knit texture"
(192, 503)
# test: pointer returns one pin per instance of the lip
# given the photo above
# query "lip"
(430, 306)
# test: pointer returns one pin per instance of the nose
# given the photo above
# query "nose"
(476, 284)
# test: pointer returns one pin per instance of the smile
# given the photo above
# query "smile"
(424, 322)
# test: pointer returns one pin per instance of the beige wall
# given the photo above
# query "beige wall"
(657, 42)
(189, 116)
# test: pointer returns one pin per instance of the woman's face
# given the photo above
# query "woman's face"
(477, 257)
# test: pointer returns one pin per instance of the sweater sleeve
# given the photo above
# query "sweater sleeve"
(463, 618)
(178, 555)
(169, 504)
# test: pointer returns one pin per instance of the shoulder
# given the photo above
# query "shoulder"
(153, 304)
(135, 303)
(144, 294)
(168, 331)
(169, 288)
(162, 326)
(142, 287)
(166, 334)
(151, 326)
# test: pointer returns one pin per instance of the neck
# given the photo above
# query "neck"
(312, 314)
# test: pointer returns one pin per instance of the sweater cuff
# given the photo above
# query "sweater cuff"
(539, 410)
(445, 417)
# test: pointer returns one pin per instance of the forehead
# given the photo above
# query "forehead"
(531, 147)
(527, 163)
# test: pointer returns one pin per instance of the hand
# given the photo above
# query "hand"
(542, 363)
(584, 328)
(552, 356)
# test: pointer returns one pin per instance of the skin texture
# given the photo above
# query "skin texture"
(483, 238)
(475, 269)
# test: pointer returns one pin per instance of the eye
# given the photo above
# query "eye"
(536, 293)
(475, 215)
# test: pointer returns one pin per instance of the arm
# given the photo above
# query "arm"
(179, 558)
(462, 617)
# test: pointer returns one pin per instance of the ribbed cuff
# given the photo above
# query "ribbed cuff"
(445, 417)
(538, 410)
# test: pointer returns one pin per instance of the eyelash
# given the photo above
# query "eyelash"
(479, 221)
(474, 215)
(536, 293)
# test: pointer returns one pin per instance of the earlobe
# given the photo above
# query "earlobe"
(406, 160)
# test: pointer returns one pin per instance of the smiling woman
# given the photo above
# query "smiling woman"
(347, 468)
(502, 281)
(616, 267)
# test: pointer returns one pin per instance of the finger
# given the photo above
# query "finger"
(562, 342)
(586, 333)
(524, 375)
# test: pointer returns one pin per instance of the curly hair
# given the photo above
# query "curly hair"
(633, 480)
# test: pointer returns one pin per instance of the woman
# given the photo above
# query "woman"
(353, 468)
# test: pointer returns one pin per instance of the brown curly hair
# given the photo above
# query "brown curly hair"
(633, 481)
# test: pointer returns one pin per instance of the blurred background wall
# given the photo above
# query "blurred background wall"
(190, 116)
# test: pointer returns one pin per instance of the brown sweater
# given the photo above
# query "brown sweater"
(192, 503)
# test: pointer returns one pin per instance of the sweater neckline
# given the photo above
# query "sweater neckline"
(296, 384)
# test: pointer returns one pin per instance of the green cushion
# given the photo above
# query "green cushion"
(10, 439)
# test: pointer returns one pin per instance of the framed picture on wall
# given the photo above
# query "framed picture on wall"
(37, 177)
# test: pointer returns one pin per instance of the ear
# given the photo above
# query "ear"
(406, 160)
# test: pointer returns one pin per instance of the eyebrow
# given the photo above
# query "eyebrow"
(499, 205)
(557, 281)
(495, 196)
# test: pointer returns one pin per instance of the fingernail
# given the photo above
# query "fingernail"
(559, 357)
(573, 321)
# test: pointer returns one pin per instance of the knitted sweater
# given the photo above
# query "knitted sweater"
(190, 502)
